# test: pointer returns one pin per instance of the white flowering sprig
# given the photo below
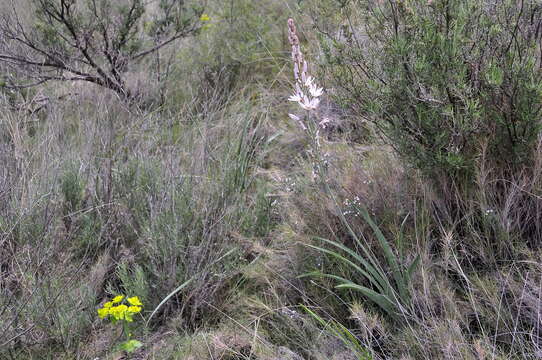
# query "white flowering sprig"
(307, 95)
(306, 92)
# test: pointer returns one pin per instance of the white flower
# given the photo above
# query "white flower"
(310, 104)
(324, 123)
(297, 97)
(298, 119)
(304, 71)
(296, 71)
(315, 91)
(308, 81)
(294, 117)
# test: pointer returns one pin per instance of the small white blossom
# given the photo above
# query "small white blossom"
(324, 123)
(304, 71)
(315, 91)
(294, 117)
(310, 104)
(297, 97)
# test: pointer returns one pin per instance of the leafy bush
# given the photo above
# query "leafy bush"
(445, 80)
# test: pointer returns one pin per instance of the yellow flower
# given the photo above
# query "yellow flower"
(204, 17)
(119, 312)
(113, 312)
(118, 299)
(122, 309)
(135, 301)
(129, 317)
(103, 312)
(134, 309)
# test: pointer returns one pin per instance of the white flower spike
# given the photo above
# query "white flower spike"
(306, 92)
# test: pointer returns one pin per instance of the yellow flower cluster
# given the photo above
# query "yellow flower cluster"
(119, 311)
(205, 17)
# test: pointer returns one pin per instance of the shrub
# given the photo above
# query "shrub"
(446, 80)
(94, 42)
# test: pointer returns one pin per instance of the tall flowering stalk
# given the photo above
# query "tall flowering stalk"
(307, 95)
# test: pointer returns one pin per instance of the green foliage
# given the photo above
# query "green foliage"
(131, 345)
(199, 210)
(455, 77)
(172, 15)
(391, 296)
(133, 280)
(390, 293)
(243, 31)
(141, 224)
(72, 188)
(239, 46)
(78, 220)
(191, 230)
(259, 221)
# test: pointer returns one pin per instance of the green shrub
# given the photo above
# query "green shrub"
(445, 80)
(72, 189)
